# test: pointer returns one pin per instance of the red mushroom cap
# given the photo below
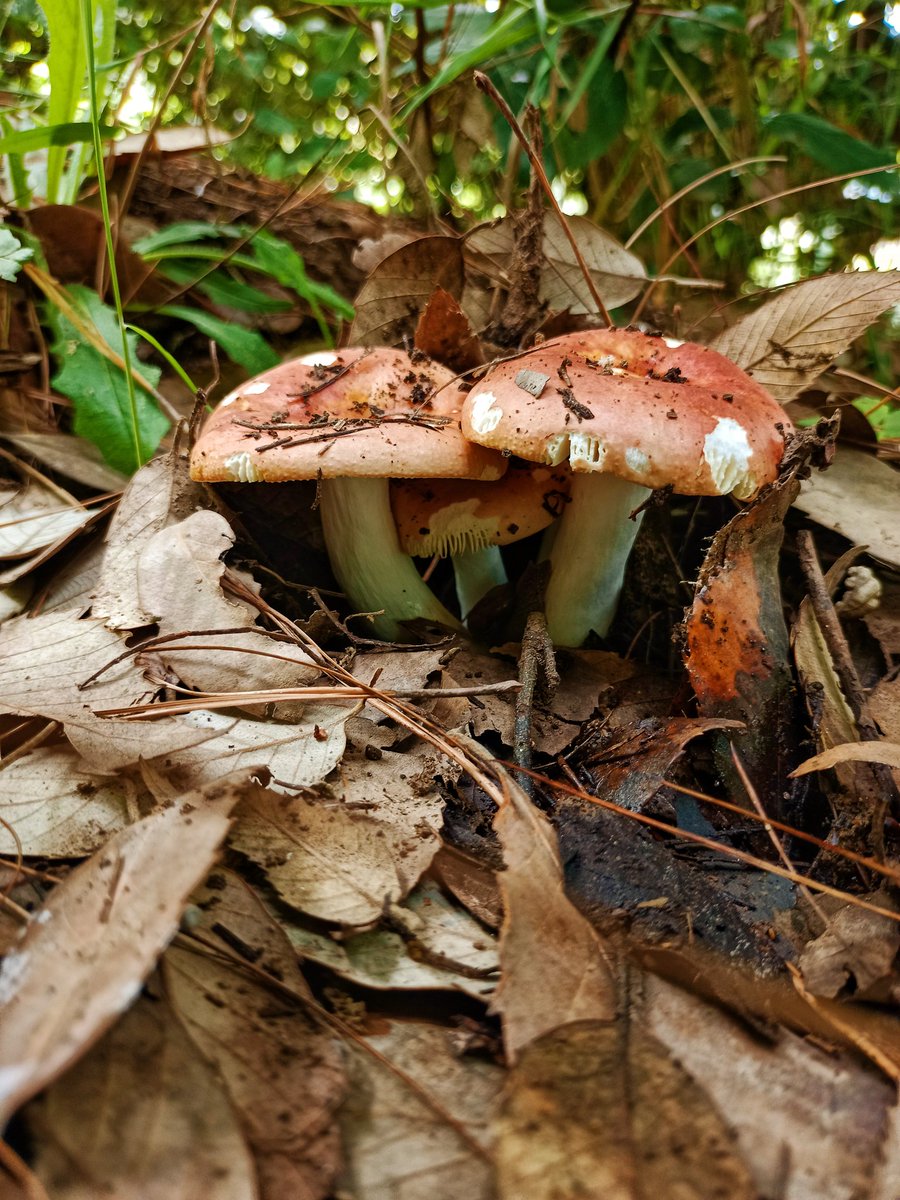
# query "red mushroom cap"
(646, 408)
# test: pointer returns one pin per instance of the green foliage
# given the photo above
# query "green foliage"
(12, 255)
(98, 388)
(244, 346)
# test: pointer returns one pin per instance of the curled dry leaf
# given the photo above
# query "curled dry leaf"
(397, 290)
(141, 1117)
(737, 642)
(602, 1110)
(58, 806)
(788, 341)
(158, 495)
(809, 1123)
(415, 1121)
(281, 1069)
(342, 859)
(444, 333)
(179, 576)
(87, 952)
(858, 949)
(441, 942)
(878, 752)
(555, 967)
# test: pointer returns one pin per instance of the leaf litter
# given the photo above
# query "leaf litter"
(369, 851)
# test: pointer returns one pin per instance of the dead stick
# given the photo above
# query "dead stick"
(484, 84)
(536, 665)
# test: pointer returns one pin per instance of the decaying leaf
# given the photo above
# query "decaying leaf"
(158, 495)
(555, 967)
(809, 1123)
(858, 948)
(858, 497)
(342, 857)
(70, 456)
(58, 807)
(444, 333)
(281, 1069)
(879, 752)
(89, 949)
(396, 292)
(415, 1121)
(141, 1117)
(440, 947)
(788, 341)
(34, 517)
(602, 1110)
(179, 575)
(737, 642)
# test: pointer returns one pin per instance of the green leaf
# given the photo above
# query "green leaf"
(68, 134)
(12, 255)
(243, 346)
(829, 146)
(885, 420)
(280, 260)
(183, 232)
(98, 389)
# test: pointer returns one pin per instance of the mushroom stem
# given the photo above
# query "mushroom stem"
(367, 560)
(589, 550)
(477, 571)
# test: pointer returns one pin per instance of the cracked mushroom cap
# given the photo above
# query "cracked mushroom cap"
(365, 413)
(449, 516)
(646, 408)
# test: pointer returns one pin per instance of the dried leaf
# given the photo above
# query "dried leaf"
(617, 274)
(879, 752)
(343, 860)
(70, 456)
(439, 939)
(737, 642)
(142, 1117)
(858, 948)
(555, 967)
(86, 954)
(58, 806)
(34, 517)
(859, 498)
(788, 341)
(398, 289)
(808, 1123)
(179, 575)
(158, 495)
(600, 1110)
(418, 1131)
(281, 1070)
(444, 333)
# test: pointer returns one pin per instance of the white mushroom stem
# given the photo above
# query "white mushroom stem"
(477, 571)
(367, 559)
(589, 550)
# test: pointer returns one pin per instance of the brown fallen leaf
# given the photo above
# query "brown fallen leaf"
(602, 1111)
(878, 752)
(809, 1123)
(58, 807)
(788, 341)
(70, 456)
(281, 1068)
(415, 1121)
(737, 644)
(859, 498)
(444, 333)
(87, 952)
(158, 495)
(856, 951)
(141, 1117)
(397, 290)
(556, 969)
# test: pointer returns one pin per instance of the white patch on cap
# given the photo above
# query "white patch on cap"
(586, 453)
(319, 358)
(255, 389)
(727, 452)
(673, 343)
(637, 460)
(556, 449)
(486, 413)
(242, 468)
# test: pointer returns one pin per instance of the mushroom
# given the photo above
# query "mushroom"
(630, 412)
(351, 419)
(470, 521)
